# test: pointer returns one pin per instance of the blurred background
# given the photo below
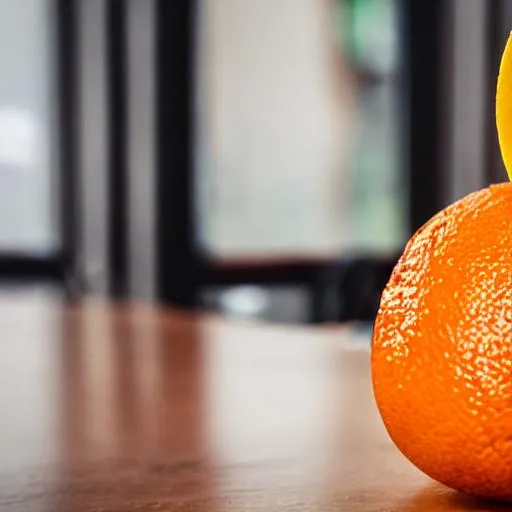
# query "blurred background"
(261, 158)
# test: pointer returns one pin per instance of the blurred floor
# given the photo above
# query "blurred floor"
(275, 304)
(287, 304)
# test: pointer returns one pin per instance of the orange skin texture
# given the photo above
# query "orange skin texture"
(442, 346)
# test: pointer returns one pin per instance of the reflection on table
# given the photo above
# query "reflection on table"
(120, 408)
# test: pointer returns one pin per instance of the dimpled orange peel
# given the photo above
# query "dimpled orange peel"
(442, 341)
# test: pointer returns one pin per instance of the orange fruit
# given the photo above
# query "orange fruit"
(442, 342)
(442, 346)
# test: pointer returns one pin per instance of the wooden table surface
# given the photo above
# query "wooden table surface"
(114, 409)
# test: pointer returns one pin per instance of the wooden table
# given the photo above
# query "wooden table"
(132, 408)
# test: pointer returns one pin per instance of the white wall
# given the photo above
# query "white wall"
(93, 144)
(467, 81)
(141, 145)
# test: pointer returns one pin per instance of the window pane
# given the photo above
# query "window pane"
(27, 215)
(376, 177)
(273, 127)
(279, 173)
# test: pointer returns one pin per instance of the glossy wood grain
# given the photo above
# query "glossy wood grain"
(117, 409)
